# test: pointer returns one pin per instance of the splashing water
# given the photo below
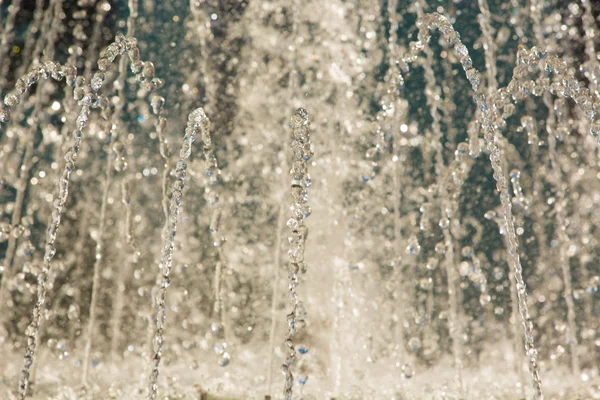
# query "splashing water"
(453, 213)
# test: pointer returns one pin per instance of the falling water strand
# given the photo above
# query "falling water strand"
(556, 121)
(29, 42)
(590, 285)
(275, 292)
(129, 227)
(109, 170)
(97, 263)
(69, 104)
(501, 185)
(395, 110)
(7, 35)
(489, 45)
(48, 41)
(572, 340)
(458, 170)
(530, 127)
(592, 72)
(33, 122)
(87, 99)
(339, 328)
(118, 305)
(519, 198)
(157, 109)
(392, 33)
(13, 99)
(157, 105)
(293, 82)
(302, 152)
(292, 87)
(211, 171)
(449, 107)
(145, 72)
(433, 94)
(102, 8)
(433, 21)
(121, 166)
(50, 250)
(113, 137)
(565, 85)
(400, 109)
(557, 124)
(560, 126)
(389, 100)
(196, 120)
(49, 32)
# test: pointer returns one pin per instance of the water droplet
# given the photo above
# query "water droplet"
(408, 371)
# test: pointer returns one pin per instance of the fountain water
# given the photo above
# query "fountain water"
(444, 214)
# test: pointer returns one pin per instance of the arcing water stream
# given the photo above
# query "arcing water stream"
(448, 249)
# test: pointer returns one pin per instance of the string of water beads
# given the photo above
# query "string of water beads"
(46, 70)
(99, 253)
(121, 165)
(48, 41)
(592, 71)
(212, 198)
(555, 125)
(69, 103)
(113, 136)
(87, 99)
(117, 313)
(571, 333)
(522, 201)
(302, 151)
(455, 175)
(57, 72)
(563, 83)
(388, 119)
(590, 279)
(292, 86)
(398, 160)
(275, 293)
(118, 149)
(33, 122)
(433, 100)
(448, 191)
(489, 47)
(197, 122)
(157, 109)
(395, 110)
(449, 106)
(437, 21)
